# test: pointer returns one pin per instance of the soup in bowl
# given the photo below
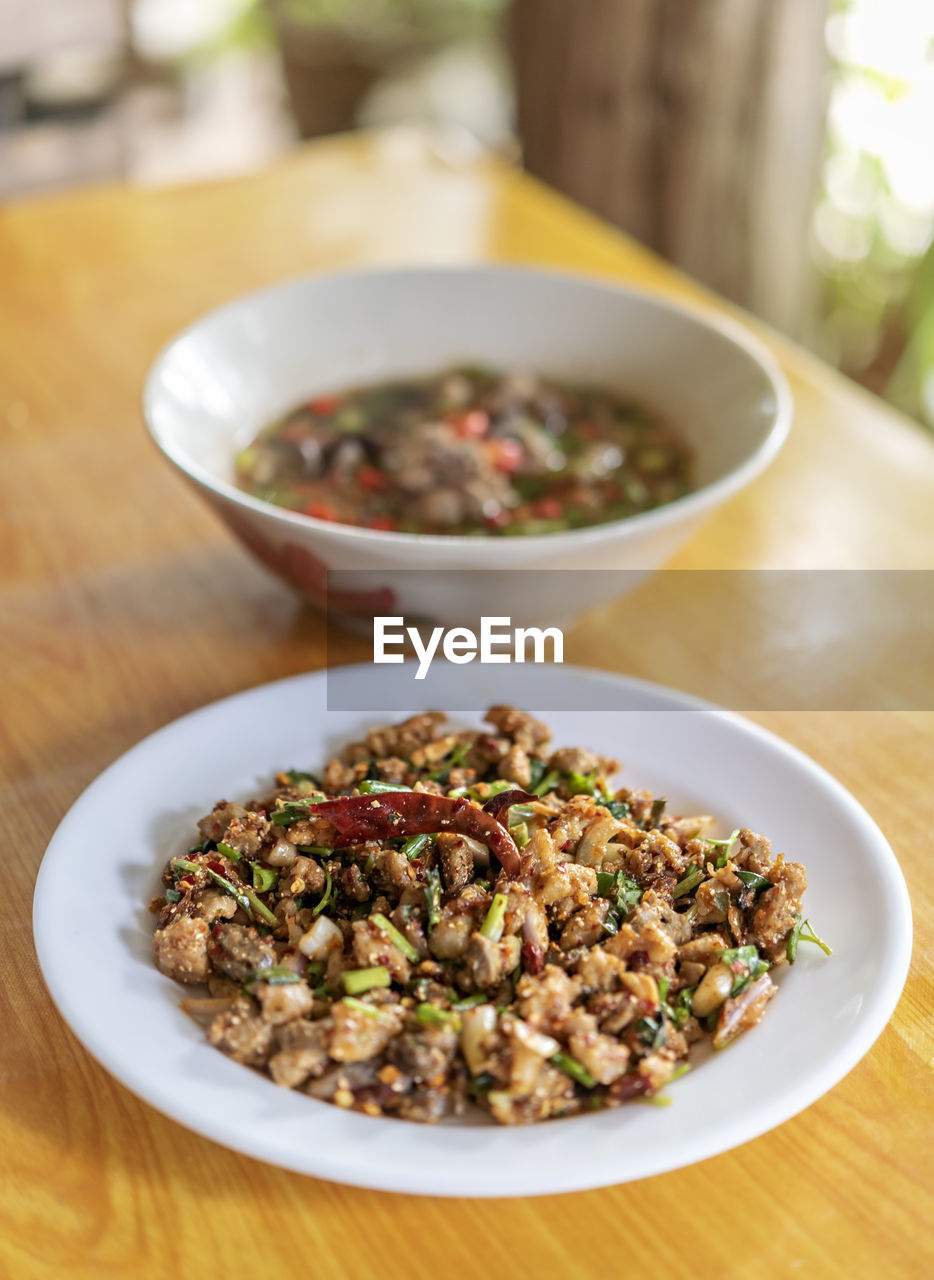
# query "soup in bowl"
(651, 415)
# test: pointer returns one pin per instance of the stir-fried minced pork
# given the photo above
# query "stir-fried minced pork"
(414, 938)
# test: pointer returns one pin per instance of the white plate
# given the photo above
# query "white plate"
(93, 933)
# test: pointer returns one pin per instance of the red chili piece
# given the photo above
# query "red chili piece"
(415, 813)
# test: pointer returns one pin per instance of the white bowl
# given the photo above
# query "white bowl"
(215, 385)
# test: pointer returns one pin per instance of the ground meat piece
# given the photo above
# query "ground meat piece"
(553, 1096)
(305, 875)
(361, 1033)
(571, 823)
(574, 760)
(337, 776)
(424, 1054)
(545, 1000)
(598, 970)
(354, 884)
(516, 766)
(752, 851)
(283, 1001)
(343, 1080)
(426, 1105)
(181, 950)
(402, 739)
(489, 962)
(594, 846)
(706, 948)
(450, 937)
(603, 1056)
(457, 855)
(713, 897)
(569, 885)
(214, 905)
(656, 855)
(371, 947)
(315, 830)
(392, 871)
(248, 834)
(217, 821)
(774, 917)
(240, 952)
(242, 1034)
(524, 730)
(301, 1050)
(585, 927)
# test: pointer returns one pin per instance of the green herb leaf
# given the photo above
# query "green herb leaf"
(753, 880)
(547, 783)
(618, 809)
(172, 895)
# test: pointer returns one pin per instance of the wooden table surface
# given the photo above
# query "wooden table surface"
(123, 604)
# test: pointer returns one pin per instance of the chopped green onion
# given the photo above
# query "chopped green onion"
(520, 835)
(326, 896)
(314, 969)
(520, 812)
(414, 846)
(356, 981)
(316, 850)
(229, 851)
(375, 787)
(264, 878)
(185, 865)
(492, 926)
(432, 1016)
(582, 784)
(362, 1006)
(658, 808)
(726, 845)
(296, 775)
(398, 940)
(276, 975)
(753, 880)
(433, 897)
(469, 1002)
(663, 985)
(571, 1067)
(689, 883)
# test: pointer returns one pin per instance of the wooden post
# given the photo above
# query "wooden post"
(697, 125)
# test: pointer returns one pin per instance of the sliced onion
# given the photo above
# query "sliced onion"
(282, 854)
(476, 1025)
(321, 939)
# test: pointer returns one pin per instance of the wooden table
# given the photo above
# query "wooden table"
(124, 604)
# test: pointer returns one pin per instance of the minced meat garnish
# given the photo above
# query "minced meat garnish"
(447, 917)
(467, 452)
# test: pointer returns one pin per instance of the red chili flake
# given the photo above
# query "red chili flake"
(216, 866)
(547, 509)
(381, 522)
(321, 511)
(638, 959)
(215, 930)
(505, 455)
(533, 959)
(471, 424)
(371, 479)
(324, 405)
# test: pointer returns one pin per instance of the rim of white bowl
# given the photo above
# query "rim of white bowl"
(696, 502)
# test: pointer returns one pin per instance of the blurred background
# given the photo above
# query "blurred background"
(781, 151)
